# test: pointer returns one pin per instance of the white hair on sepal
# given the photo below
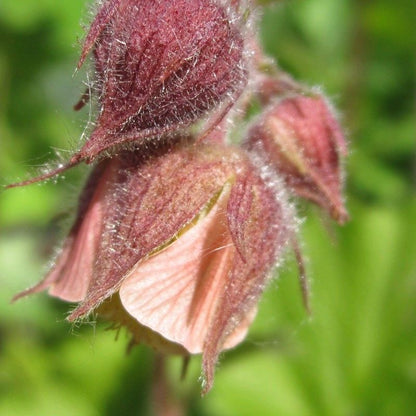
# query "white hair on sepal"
(290, 219)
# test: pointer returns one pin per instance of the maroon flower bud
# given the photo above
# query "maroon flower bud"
(301, 138)
(177, 246)
(161, 65)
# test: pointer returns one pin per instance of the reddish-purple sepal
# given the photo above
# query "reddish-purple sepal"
(161, 65)
(260, 224)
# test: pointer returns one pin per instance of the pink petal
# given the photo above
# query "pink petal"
(150, 200)
(73, 272)
(70, 276)
(176, 291)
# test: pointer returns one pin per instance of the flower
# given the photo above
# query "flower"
(301, 138)
(177, 244)
(177, 232)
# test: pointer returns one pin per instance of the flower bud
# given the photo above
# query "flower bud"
(300, 137)
(161, 65)
(176, 245)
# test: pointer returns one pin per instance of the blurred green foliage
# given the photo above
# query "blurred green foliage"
(356, 356)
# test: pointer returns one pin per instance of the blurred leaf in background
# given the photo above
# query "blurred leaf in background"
(356, 356)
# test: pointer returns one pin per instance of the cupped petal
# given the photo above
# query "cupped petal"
(175, 292)
(151, 199)
(71, 274)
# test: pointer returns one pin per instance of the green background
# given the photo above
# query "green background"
(355, 356)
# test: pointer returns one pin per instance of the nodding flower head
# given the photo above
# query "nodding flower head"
(177, 245)
(161, 65)
(301, 138)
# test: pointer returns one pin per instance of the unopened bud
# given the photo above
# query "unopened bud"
(301, 138)
(161, 65)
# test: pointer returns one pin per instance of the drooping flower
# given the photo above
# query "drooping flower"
(301, 138)
(176, 244)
